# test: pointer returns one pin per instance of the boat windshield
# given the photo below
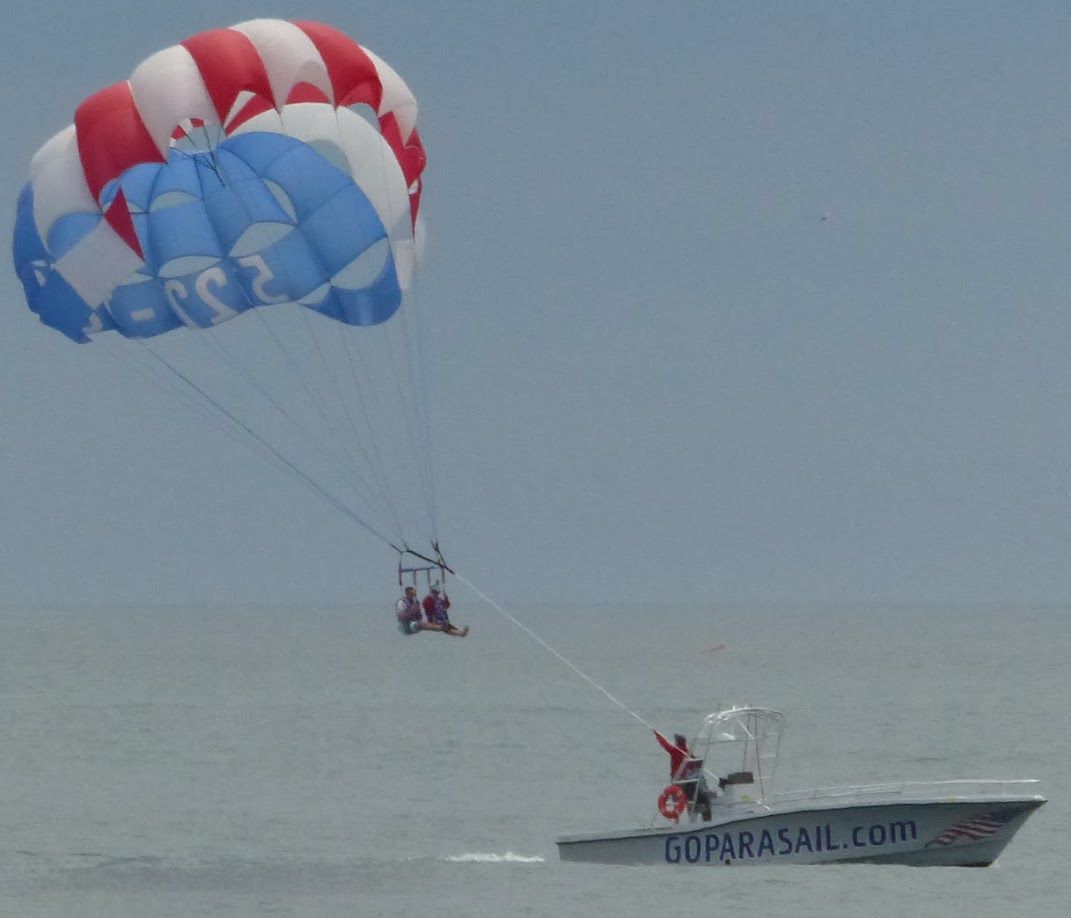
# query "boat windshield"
(740, 746)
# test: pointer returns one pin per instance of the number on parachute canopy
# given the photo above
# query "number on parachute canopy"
(176, 291)
(264, 274)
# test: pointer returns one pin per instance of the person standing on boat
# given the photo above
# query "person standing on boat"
(686, 772)
(678, 751)
(436, 606)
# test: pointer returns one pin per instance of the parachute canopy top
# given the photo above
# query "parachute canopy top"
(269, 162)
(272, 173)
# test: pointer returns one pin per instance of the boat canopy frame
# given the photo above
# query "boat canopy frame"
(755, 733)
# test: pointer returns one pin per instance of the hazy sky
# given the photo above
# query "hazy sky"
(758, 301)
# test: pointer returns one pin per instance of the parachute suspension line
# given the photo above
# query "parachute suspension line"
(379, 495)
(361, 388)
(205, 407)
(576, 669)
(411, 407)
(418, 378)
(349, 478)
(210, 148)
(348, 340)
(199, 406)
(405, 398)
(372, 462)
(416, 364)
(422, 371)
(140, 369)
(225, 419)
(210, 345)
(417, 431)
(202, 406)
(376, 467)
(214, 413)
(313, 395)
(239, 423)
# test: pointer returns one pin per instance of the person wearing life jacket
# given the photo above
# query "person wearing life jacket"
(686, 772)
(410, 620)
(436, 604)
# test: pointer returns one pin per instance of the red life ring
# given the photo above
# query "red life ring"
(672, 802)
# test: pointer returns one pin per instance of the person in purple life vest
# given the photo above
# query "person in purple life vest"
(436, 606)
(410, 619)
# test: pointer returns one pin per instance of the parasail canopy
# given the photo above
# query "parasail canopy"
(270, 169)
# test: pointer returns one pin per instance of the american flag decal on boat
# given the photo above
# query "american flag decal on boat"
(974, 828)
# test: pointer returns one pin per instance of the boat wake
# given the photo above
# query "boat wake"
(480, 858)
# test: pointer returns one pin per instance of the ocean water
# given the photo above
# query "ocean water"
(308, 761)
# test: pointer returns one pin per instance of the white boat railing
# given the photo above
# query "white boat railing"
(912, 790)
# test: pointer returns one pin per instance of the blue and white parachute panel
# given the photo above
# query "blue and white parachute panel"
(270, 169)
(271, 162)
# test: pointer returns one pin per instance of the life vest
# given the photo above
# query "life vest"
(435, 606)
(408, 609)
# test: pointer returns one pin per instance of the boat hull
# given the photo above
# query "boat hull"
(923, 833)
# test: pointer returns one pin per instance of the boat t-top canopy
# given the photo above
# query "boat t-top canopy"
(742, 744)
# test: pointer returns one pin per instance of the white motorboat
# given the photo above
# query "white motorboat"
(943, 823)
